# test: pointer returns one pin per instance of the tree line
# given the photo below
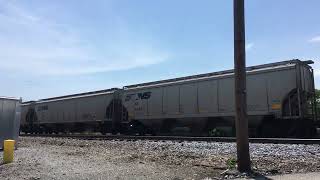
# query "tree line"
(318, 101)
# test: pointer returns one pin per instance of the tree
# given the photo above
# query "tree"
(318, 101)
(318, 95)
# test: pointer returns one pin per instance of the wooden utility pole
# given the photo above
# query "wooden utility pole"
(240, 87)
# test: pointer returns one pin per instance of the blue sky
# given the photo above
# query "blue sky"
(51, 48)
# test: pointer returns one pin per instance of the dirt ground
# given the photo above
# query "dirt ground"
(62, 158)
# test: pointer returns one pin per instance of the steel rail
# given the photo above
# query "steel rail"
(178, 138)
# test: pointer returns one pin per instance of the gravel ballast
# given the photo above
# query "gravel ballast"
(62, 158)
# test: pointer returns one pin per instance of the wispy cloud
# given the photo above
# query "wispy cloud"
(315, 39)
(249, 46)
(33, 44)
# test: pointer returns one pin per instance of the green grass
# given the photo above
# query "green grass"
(231, 163)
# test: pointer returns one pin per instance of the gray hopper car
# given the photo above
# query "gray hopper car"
(73, 113)
(280, 100)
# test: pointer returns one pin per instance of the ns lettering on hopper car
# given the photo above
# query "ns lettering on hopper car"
(138, 96)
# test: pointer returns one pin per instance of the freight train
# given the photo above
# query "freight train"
(280, 103)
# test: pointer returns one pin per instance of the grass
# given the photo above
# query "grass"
(231, 163)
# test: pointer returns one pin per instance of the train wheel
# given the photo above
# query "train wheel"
(142, 131)
(168, 125)
(103, 132)
(136, 127)
(102, 128)
(268, 130)
(114, 131)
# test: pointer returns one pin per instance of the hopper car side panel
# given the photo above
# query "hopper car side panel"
(257, 90)
(67, 114)
(24, 111)
(155, 106)
(171, 103)
(188, 99)
(280, 83)
(208, 100)
(212, 99)
(226, 95)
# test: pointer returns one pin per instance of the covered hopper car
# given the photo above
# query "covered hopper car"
(72, 113)
(280, 103)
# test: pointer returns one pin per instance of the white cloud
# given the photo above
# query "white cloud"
(249, 46)
(315, 39)
(33, 44)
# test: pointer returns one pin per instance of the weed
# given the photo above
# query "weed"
(231, 163)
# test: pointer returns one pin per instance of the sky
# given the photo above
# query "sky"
(52, 48)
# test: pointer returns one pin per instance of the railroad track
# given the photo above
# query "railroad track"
(177, 138)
